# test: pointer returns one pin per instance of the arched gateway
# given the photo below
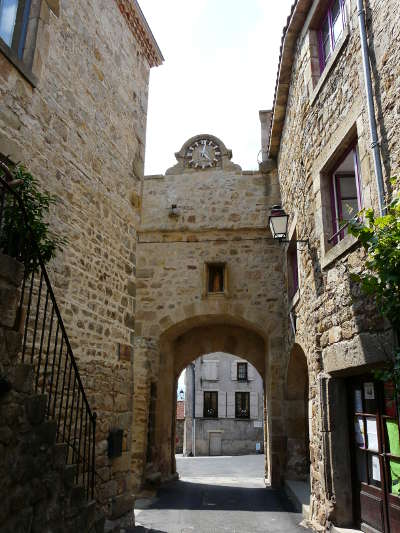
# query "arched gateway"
(209, 279)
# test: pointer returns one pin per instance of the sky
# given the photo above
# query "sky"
(221, 61)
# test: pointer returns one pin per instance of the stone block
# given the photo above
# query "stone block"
(35, 407)
(8, 306)
(121, 505)
(11, 271)
(22, 378)
(46, 432)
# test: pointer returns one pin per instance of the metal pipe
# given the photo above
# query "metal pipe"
(193, 409)
(370, 107)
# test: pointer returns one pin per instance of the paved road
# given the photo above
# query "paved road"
(219, 495)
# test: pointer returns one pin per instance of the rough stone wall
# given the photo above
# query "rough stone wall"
(37, 490)
(335, 327)
(81, 132)
(222, 217)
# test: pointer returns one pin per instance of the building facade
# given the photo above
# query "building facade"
(209, 280)
(161, 270)
(228, 395)
(334, 336)
(73, 104)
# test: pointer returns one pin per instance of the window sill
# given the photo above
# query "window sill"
(328, 67)
(339, 249)
(18, 64)
(216, 295)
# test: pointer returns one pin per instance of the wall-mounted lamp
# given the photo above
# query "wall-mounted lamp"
(181, 394)
(174, 211)
(278, 223)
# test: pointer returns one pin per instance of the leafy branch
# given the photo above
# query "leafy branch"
(15, 238)
(380, 237)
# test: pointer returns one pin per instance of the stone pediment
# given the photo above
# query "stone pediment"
(222, 159)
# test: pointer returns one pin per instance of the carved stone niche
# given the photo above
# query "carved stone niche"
(222, 160)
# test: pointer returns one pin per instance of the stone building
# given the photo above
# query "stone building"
(209, 279)
(73, 103)
(228, 395)
(161, 270)
(320, 138)
(180, 425)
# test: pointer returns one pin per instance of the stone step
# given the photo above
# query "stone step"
(299, 493)
(335, 529)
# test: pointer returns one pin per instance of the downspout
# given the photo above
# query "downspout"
(371, 109)
(193, 410)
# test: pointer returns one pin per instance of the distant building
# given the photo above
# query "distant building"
(228, 407)
(180, 421)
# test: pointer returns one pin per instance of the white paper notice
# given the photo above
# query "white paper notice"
(376, 471)
(369, 391)
(372, 434)
(359, 430)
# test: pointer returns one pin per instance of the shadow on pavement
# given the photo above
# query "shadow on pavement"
(200, 496)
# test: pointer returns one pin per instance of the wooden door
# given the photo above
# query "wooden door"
(215, 443)
(376, 456)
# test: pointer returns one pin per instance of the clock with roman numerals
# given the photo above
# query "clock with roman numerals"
(203, 153)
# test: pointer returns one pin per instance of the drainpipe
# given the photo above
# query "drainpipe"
(193, 410)
(370, 107)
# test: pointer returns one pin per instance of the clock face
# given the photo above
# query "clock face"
(204, 153)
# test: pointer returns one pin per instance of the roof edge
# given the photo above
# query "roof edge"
(291, 31)
(140, 29)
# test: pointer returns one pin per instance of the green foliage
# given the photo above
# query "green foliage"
(15, 239)
(380, 237)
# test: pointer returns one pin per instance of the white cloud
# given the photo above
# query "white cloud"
(220, 69)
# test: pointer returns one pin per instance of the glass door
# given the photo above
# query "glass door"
(375, 449)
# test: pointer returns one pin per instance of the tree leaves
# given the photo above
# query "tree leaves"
(15, 238)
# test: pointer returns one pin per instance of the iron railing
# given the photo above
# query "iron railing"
(45, 343)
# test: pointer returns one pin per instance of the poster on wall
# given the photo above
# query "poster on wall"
(376, 471)
(359, 431)
(372, 434)
(369, 391)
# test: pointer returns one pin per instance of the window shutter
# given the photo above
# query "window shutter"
(254, 405)
(221, 404)
(230, 405)
(199, 404)
(210, 370)
(234, 370)
(214, 370)
(251, 372)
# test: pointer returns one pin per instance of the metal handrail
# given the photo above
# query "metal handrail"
(55, 367)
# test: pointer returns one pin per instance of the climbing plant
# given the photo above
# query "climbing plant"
(380, 237)
(25, 232)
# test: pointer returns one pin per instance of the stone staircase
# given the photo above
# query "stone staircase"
(38, 492)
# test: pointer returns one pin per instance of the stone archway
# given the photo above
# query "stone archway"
(297, 425)
(179, 346)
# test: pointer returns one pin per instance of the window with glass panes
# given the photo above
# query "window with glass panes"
(242, 405)
(345, 193)
(210, 405)
(331, 30)
(242, 371)
(375, 448)
(14, 18)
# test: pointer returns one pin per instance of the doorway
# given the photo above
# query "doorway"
(375, 448)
